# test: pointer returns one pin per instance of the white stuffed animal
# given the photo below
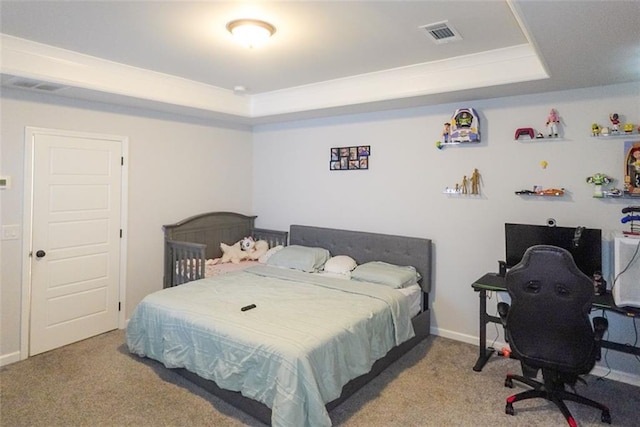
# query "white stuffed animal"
(233, 254)
(254, 249)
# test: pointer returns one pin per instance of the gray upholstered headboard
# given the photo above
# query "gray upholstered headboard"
(365, 247)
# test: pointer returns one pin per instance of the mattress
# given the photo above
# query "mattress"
(305, 338)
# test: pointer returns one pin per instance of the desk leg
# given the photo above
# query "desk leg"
(485, 354)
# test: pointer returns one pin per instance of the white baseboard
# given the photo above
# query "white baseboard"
(600, 371)
(456, 336)
(7, 359)
(623, 377)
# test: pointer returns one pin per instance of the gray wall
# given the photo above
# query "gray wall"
(401, 193)
(178, 167)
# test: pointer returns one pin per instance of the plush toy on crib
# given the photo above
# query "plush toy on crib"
(233, 254)
(254, 248)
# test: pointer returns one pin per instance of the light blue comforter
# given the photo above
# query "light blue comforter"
(305, 339)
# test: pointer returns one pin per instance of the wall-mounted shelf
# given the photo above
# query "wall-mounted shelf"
(546, 138)
(549, 192)
(453, 192)
(616, 136)
(613, 195)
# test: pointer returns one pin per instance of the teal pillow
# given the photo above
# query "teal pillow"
(383, 273)
(300, 258)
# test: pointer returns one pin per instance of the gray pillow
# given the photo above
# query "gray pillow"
(383, 273)
(300, 258)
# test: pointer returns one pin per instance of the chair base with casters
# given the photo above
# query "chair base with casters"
(553, 389)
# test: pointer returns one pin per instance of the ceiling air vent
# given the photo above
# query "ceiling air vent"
(33, 84)
(441, 32)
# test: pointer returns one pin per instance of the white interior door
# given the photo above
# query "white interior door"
(76, 232)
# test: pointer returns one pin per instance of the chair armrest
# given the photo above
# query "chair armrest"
(600, 325)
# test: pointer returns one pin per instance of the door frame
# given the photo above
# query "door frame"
(27, 224)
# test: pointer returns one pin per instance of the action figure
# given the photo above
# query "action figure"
(615, 122)
(599, 284)
(475, 182)
(464, 184)
(552, 123)
(445, 132)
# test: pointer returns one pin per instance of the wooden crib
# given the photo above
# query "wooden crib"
(190, 242)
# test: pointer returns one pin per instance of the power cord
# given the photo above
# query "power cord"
(631, 261)
(615, 280)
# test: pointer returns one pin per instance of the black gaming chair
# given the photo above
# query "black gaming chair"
(548, 327)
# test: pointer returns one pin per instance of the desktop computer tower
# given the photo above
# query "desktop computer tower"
(626, 289)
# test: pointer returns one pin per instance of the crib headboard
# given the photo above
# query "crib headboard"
(198, 238)
(211, 229)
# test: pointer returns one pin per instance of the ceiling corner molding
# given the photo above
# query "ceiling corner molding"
(501, 66)
(37, 61)
(94, 78)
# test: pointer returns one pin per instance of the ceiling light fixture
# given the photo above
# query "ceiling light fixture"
(251, 32)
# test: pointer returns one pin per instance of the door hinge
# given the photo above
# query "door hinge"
(121, 233)
(119, 306)
(122, 161)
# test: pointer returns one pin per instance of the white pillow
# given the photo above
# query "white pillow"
(340, 264)
(264, 258)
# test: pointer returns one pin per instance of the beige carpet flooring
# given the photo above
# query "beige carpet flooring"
(97, 382)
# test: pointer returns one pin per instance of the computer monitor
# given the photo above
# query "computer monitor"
(584, 244)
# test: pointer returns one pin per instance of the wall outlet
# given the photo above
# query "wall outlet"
(11, 232)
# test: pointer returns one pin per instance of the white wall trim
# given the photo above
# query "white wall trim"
(7, 359)
(25, 314)
(520, 63)
(32, 60)
(598, 370)
(84, 74)
(124, 211)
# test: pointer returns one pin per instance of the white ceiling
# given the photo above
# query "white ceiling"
(326, 57)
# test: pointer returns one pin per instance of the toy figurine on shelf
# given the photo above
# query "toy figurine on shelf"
(598, 180)
(552, 123)
(612, 192)
(445, 132)
(475, 182)
(628, 127)
(599, 284)
(615, 122)
(595, 129)
(465, 126)
(632, 168)
(464, 185)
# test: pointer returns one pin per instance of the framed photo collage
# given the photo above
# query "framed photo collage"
(350, 158)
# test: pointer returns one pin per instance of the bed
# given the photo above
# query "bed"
(301, 397)
(191, 244)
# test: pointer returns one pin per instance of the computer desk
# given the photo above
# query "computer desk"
(495, 282)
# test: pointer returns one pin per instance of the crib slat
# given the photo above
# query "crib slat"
(186, 262)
